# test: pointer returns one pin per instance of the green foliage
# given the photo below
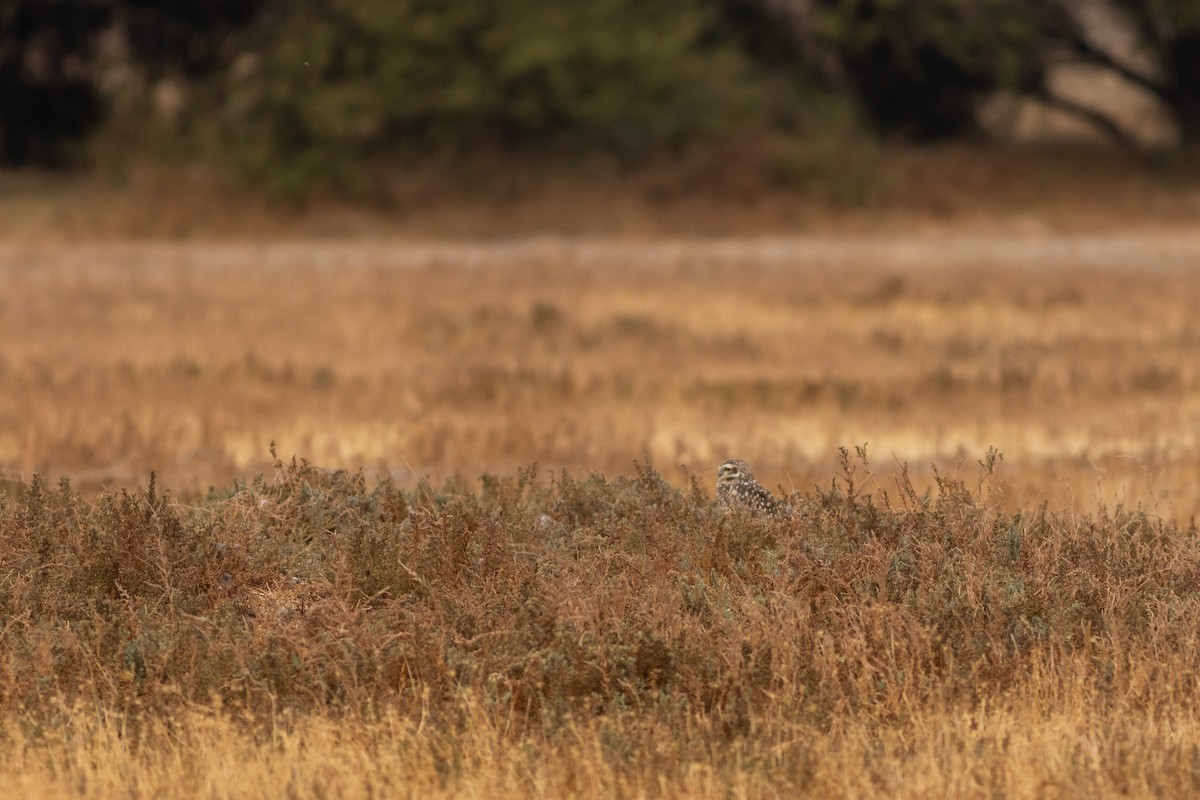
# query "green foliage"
(317, 93)
(312, 591)
(344, 82)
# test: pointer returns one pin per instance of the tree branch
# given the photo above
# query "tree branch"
(1091, 52)
(1098, 119)
(1147, 24)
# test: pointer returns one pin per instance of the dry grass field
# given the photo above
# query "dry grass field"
(1073, 355)
(920, 625)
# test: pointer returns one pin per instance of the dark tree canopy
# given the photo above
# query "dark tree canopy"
(190, 37)
(48, 99)
(305, 92)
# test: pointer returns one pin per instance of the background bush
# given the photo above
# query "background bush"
(344, 83)
(924, 69)
(319, 92)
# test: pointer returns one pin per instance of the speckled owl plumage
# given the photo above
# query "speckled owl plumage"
(737, 487)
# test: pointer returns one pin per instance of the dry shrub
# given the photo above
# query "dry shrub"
(626, 606)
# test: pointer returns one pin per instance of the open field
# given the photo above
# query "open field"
(1073, 355)
(1027, 631)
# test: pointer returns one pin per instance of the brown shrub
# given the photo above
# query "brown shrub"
(561, 599)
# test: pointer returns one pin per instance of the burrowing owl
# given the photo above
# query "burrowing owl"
(736, 486)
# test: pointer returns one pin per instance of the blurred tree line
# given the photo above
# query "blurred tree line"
(308, 92)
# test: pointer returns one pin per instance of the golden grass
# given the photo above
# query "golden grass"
(1014, 746)
(1073, 355)
(1037, 641)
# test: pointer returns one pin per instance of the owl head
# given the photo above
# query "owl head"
(735, 470)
